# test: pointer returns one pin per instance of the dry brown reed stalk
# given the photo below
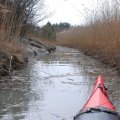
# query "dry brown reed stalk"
(13, 48)
(99, 37)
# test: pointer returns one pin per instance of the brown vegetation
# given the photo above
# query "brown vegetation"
(100, 37)
(16, 17)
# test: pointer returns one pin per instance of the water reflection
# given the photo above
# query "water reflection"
(53, 86)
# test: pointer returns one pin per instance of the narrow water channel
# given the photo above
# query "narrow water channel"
(54, 86)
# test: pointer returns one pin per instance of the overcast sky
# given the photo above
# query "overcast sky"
(71, 11)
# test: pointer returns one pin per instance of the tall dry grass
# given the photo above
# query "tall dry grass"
(13, 48)
(99, 37)
(9, 33)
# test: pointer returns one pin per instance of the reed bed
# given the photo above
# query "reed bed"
(13, 48)
(99, 37)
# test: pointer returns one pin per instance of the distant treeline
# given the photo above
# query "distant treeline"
(49, 30)
(61, 26)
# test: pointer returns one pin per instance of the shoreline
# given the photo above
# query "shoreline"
(96, 54)
(19, 59)
(11, 63)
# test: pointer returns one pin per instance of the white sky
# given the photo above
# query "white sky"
(71, 11)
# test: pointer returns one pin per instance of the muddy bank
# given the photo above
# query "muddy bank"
(18, 59)
(103, 58)
(111, 59)
(49, 47)
(9, 63)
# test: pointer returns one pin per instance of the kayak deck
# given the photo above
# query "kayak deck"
(99, 97)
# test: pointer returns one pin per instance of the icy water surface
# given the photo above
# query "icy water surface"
(54, 86)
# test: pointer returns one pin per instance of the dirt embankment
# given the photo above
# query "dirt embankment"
(10, 63)
(12, 57)
(48, 45)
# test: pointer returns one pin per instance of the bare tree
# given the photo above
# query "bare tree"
(17, 15)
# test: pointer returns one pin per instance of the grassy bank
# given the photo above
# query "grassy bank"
(99, 37)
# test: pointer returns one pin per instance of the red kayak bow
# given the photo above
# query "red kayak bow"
(99, 106)
(99, 97)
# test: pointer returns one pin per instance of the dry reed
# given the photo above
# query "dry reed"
(100, 37)
(13, 48)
